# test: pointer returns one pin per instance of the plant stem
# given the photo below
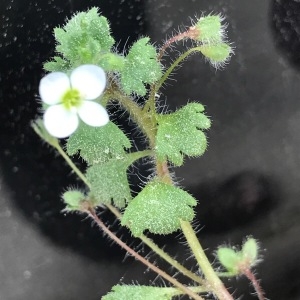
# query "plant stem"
(173, 262)
(174, 65)
(115, 211)
(146, 121)
(176, 38)
(134, 155)
(216, 285)
(163, 172)
(142, 119)
(259, 291)
(176, 292)
(139, 154)
(70, 163)
(91, 212)
(150, 104)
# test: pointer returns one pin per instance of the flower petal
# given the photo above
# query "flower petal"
(90, 80)
(60, 122)
(53, 86)
(93, 114)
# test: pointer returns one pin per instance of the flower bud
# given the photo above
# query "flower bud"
(73, 200)
(208, 29)
(217, 54)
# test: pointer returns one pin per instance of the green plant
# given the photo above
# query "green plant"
(86, 76)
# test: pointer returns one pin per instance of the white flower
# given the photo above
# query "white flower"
(69, 98)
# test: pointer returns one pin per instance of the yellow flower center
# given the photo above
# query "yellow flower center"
(71, 98)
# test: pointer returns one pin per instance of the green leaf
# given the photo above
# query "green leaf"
(57, 64)
(140, 292)
(181, 133)
(98, 144)
(141, 67)
(250, 251)
(158, 208)
(73, 199)
(112, 62)
(109, 181)
(238, 262)
(84, 38)
(229, 259)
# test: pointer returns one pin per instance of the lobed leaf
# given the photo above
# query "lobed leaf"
(83, 39)
(57, 64)
(181, 133)
(98, 144)
(141, 67)
(109, 181)
(158, 208)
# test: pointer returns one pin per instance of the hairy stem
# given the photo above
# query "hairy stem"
(176, 38)
(258, 289)
(142, 119)
(163, 172)
(173, 262)
(91, 212)
(174, 65)
(150, 104)
(139, 154)
(216, 285)
(116, 212)
(70, 163)
(176, 292)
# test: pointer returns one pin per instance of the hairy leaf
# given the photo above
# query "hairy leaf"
(181, 133)
(73, 199)
(140, 292)
(230, 259)
(84, 38)
(158, 208)
(98, 144)
(141, 67)
(109, 181)
(112, 62)
(250, 251)
(57, 64)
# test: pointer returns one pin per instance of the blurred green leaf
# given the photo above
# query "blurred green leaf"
(140, 292)
(250, 250)
(230, 259)
(73, 199)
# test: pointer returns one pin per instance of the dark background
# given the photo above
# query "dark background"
(247, 183)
